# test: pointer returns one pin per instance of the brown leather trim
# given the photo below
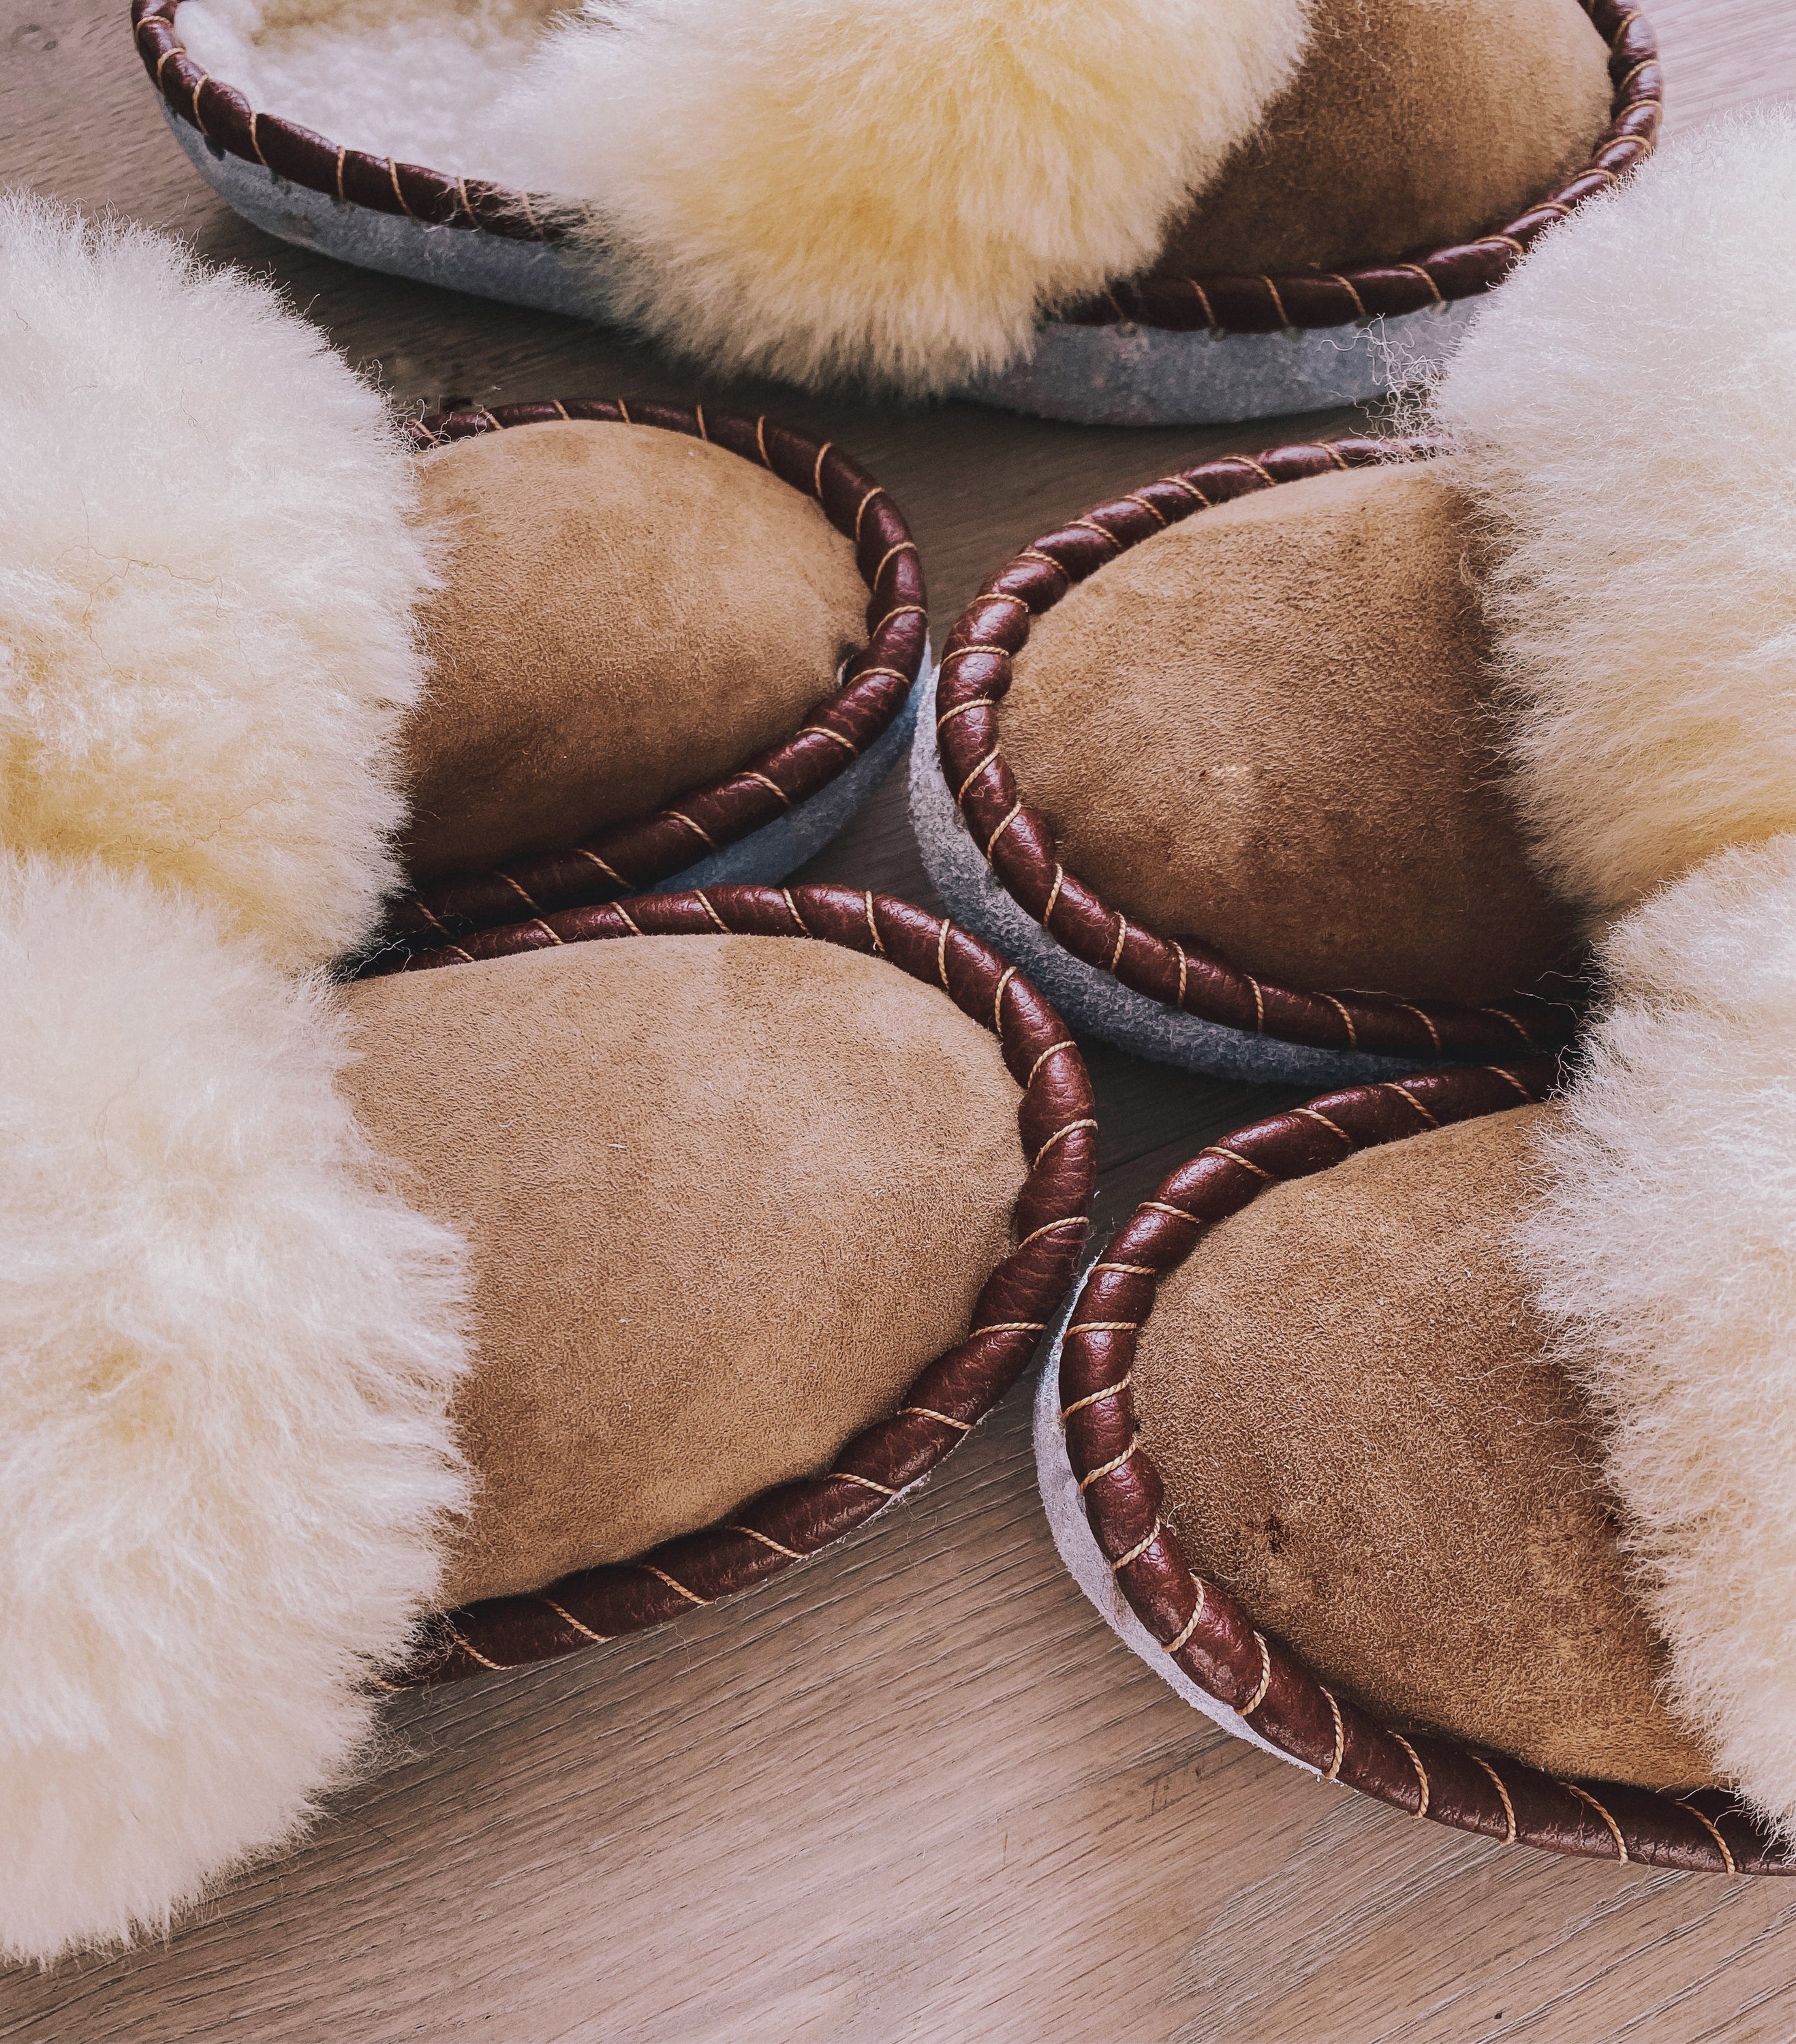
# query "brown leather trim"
(1417, 278)
(1058, 1133)
(1219, 302)
(1019, 844)
(1208, 1634)
(625, 858)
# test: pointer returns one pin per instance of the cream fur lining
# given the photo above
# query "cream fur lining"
(1665, 1249)
(226, 1356)
(1627, 408)
(207, 577)
(896, 189)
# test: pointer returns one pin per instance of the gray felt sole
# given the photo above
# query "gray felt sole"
(1090, 1000)
(1118, 375)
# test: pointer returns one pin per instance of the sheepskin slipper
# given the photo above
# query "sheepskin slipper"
(1375, 1432)
(1140, 211)
(670, 648)
(451, 1319)
(1215, 759)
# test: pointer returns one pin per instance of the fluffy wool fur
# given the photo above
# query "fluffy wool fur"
(1627, 408)
(206, 583)
(1666, 1249)
(893, 188)
(226, 1356)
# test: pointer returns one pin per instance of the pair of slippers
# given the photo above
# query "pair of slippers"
(390, 1295)
(1438, 1433)
(1126, 210)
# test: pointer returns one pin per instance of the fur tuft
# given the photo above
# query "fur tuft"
(206, 583)
(226, 1356)
(1624, 406)
(895, 189)
(1665, 1250)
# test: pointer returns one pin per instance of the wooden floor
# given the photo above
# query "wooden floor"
(915, 1790)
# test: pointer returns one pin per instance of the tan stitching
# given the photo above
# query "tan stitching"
(1258, 1004)
(1128, 1269)
(1203, 301)
(750, 773)
(1005, 979)
(960, 793)
(1497, 1783)
(767, 1540)
(792, 909)
(1103, 1326)
(1069, 1129)
(1009, 1327)
(1091, 525)
(1141, 1547)
(1332, 1772)
(704, 434)
(1053, 895)
(1421, 1771)
(530, 215)
(1347, 1019)
(610, 872)
(1247, 461)
(1426, 279)
(1513, 1024)
(1426, 1021)
(466, 205)
(1053, 1227)
(1048, 560)
(1333, 1128)
(567, 1618)
(630, 922)
(868, 674)
(1714, 1831)
(866, 1482)
(710, 911)
(1404, 1094)
(960, 653)
(1097, 1398)
(901, 610)
(1259, 1697)
(691, 1596)
(1337, 457)
(340, 154)
(500, 873)
(1065, 1044)
(1513, 1080)
(861, 509)
(698, 830)
(1358, 302)
(1134, 497)
(872, 926)
(1161, 1206)
(1191, 490)
(174, 50)
(1178, 1645)
(562, 409)
(1010, 817)
(624, 412)
(886, 558)
(393, 173)
(823, 731)
(1278, 302)
(941, 954)
(1122, 938)
(1235, 1157)
(1184, 970)
(760, 440)
(200, 84)
(536, 923)
(417, 901)
(947, 1419)
(473, 1652)
(254, 139)
(467, 958)
(816, 478)
(1005, 596)
(1584, 1795)
(1110, 1467)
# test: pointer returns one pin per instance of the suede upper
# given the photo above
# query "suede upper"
(1344, 1390)
(725, 1198)
(625, 612)
(1410, 123)
(1262, 728)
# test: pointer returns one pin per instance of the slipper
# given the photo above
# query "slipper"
(1325, 764)
(373, 1331)
(1144, 211)
(1440, 1443)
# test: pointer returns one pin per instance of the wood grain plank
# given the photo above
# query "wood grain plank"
(915, 1790)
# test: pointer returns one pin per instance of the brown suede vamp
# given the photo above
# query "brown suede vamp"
(626, 613)
(1345, 1393)
(725, 1198)
(1263, 727)
(1410, 123)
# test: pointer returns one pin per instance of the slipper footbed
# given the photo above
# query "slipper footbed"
(1345, 1392)
(1411, 124)
(725, 1198)
(1264, 728)
(626, 613)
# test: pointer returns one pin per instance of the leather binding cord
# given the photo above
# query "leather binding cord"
(1210, 1635)
(1019, 842)
(953, 1393)
(1220, 303)
(625, 858)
